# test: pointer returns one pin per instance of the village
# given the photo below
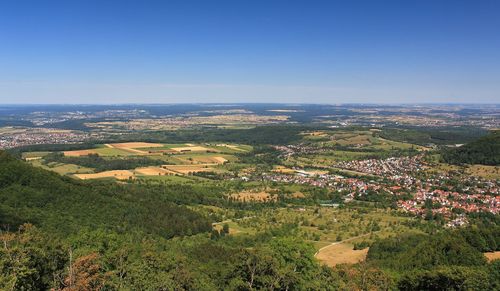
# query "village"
(11, 137)
(411, 189)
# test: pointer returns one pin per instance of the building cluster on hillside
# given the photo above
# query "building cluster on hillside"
(445, 201)
(34, 136)
(389, 166)
(299, 149)
(415, 191)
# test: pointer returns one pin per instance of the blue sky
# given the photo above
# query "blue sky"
(249, 51)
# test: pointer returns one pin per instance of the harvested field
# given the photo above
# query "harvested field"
(341, 253)
(209, 160)
(492, 256)
(134, 145)
(191, 149)
(117, 174)
(283, 170)
(247, 196)
(154, 171)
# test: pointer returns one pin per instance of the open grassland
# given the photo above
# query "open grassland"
(326, 226)
(205, 159)
(62, 169)
(189, 169)
(484, 171)
(332, 231)
(106, 152)
(340, 253)
(31, 155)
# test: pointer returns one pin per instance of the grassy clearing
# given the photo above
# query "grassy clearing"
(332, 224)
(34, 154)
(63, 169)
(492, 256)
(484, 171)
(341, 253)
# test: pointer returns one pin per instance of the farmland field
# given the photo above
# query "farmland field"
(181, 159)
(118, 174)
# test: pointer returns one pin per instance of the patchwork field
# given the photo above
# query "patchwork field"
(177, 159)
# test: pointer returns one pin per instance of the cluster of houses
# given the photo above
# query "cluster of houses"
(389, 166)
(288, 151)
(405, 180)
(34, 136)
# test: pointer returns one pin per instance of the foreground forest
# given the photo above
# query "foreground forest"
(63, 234)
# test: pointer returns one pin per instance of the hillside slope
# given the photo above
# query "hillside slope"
(62, 205)
(485, 151)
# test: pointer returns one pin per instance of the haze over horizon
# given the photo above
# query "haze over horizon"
(95, 52)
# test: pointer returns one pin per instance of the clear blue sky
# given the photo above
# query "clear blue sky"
(249, 51)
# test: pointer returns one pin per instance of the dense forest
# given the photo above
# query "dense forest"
(431, 135)
(485, 151)
(451, 260)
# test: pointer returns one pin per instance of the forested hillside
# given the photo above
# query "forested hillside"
(63, 205)
(485, 151)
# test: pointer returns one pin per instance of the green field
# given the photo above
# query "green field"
(111, 152)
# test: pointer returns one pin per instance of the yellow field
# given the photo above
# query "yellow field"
(154, 171)
(209, 160)
(492, 256)
(117, 174)
(283, 170)
(340, 253)
(135, 145)
(191, 148)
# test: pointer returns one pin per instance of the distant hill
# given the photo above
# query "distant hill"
(62, 205)
(485, 151)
